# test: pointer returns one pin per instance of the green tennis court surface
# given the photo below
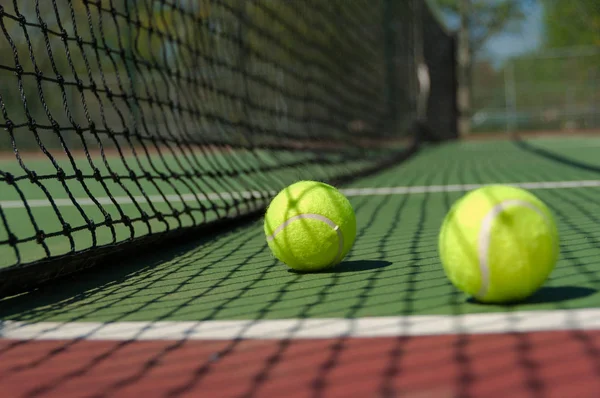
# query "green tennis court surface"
(392, 270)
(51, 202)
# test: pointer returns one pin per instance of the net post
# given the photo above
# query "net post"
(464, 61)
(390, 57)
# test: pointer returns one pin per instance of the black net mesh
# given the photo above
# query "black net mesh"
(124, 120)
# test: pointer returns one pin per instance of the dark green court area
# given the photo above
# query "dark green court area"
(393, 268)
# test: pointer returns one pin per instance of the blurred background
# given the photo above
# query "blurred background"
(531, 65)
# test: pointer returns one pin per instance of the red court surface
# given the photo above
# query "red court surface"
(543, 364)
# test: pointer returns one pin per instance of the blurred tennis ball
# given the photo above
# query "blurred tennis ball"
(499, 244)
(310, 226)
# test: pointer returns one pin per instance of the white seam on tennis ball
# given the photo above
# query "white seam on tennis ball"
(319, 217)
(485, 238)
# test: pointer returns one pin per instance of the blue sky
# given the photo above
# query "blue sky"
(506, 45)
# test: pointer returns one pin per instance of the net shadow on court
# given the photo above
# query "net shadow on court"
(393, 268)
(233, 276)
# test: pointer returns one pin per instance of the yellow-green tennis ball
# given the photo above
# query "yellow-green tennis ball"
(499, 244)
(310, 226)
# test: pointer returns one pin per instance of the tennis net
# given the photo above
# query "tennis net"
(126, 124)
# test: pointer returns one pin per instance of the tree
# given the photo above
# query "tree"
(571, 23)
(480, 20)
(486, 18)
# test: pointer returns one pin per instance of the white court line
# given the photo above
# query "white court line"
(17, 204)
(468, 187)
(418, 325)
(549, 145)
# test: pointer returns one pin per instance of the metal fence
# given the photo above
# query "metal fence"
(554, 90)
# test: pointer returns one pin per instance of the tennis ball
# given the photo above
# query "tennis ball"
(498, 244)
(310, 226)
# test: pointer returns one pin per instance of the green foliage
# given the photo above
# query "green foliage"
(551, 91)
(549, 82)
(571, 23)
(488, 86)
